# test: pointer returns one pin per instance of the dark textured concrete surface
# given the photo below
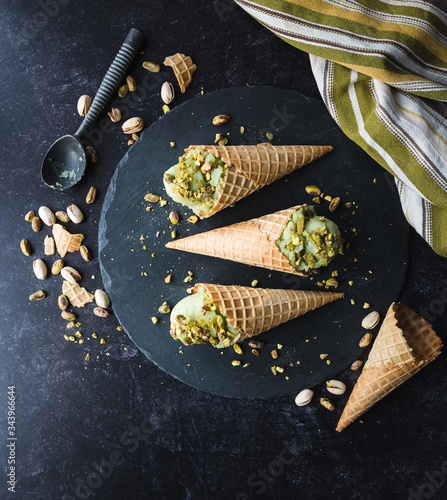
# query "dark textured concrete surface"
(117, 427)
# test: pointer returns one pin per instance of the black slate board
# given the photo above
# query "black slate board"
(379, 243)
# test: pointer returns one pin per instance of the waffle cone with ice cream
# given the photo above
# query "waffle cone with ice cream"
(256, 310)
(249, 168)
(405, 344)
(251, 242)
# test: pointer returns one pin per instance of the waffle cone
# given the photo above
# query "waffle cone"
(252, 167)
(251, 242)
(183, 69)
(256, 310)
(65, 241)
(77, 295)
(405, 344)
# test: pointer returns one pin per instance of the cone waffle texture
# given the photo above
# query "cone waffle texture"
(183, 69)
(252, 167)
(49, 248)
(77, 295)
(256, 310)
(405, 343)
(251, 242)
(65, 241)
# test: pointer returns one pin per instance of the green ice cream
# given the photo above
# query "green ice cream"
(196, 320)
(196, 180)
(309, 241)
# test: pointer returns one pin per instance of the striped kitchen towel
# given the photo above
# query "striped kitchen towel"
(381, 68)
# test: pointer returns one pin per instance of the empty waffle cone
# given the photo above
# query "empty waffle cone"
(183, 69)
(251, 242)
(405, 344)
(252, 167)
(256, 310)
(77, 295)
(65, 241)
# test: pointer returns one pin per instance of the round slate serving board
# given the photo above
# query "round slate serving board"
(134, 276)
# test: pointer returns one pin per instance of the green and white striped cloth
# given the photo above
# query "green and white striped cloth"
(381, 68)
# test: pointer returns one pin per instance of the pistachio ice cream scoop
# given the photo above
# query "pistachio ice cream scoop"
(210, 178)
(196, 180)
(223, 315)
(196, 320)
(309, 241)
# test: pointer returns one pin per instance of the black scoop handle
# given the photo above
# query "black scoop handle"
(112, 79)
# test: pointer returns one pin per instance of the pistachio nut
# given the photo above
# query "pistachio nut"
(40, 269)
(133, 125)
(223, 142)
(174, 218)
(123, 90)
(115, 115)
(333, 205)
(152, 198)
(135, 137)
(304, 397)
(62, 216)
(236, 362)
(69, 316)
(85, 253)
(348, 204)
(151, 66)
(356, 365)
(91, 195)
(313, 190)
(25, 247)
(75, 214)
(63, 302)
(269, 136)
(30, 216)
(164, 308)
(36, 224)
(371, 320)
(131, 84)
(237, 348)
(220, 119)
(39, 295)
(366, 340)
(274, 354)
(57, 266)
(335, 387)
(100, 312)
(327, 404)
(264, 144)
(84, 103)
(70, 274)
(92, 154)
(165, 108)
(167, 92)
(257, 344)
(47, 216)
(102, 299)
